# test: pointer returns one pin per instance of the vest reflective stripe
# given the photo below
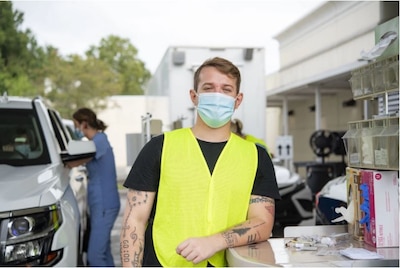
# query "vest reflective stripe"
(189, 199)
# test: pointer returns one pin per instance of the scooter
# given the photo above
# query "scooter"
(296, 204)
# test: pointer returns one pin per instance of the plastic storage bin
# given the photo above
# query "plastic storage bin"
(367, 150)
(367, 74)
(375, 78)
(352, 144)
(386, 145)
(355, 83)
(377, 70)
(391, 73)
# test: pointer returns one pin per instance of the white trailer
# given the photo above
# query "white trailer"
(174, 78)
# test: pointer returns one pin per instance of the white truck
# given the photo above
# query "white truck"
(42, 201)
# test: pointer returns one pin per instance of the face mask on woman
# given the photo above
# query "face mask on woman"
(78, 133)
(216, 109)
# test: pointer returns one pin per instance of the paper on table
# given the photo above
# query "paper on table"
(360, 254)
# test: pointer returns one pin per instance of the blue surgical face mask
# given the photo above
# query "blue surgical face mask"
(215, 109)
(23, 149)
(79, 134)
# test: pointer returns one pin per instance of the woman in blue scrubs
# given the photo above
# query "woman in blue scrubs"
(103, 196)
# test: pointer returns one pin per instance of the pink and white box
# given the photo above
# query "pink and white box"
(382, 188)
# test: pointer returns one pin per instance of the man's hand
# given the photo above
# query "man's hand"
(199, 249)
(256, 228)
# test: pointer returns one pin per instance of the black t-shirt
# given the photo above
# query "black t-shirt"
(145, 176)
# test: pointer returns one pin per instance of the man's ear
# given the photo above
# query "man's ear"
(194, 97)
(239, 99)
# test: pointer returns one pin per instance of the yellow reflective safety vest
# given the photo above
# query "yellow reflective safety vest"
(191, 202)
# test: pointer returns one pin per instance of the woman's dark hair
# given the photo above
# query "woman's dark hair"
(237, 126)
(88, 116)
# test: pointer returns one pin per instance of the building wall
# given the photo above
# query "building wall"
(326, 30)
(327, 39)
(124, 117)
(334, 117)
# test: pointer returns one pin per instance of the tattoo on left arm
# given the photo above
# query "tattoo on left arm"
(271, 210)
(252, 238)
(231, 236)
(262, 199)
(229, 239)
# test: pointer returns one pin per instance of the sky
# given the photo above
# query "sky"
(154, 25)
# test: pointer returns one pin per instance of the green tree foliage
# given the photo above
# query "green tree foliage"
(122, 58)
(21, 59)
(67, 82)
(75, 82)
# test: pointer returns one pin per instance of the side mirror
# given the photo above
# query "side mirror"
(81, 147)
(78, 150)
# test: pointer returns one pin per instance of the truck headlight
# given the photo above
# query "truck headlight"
(29, 237)
(20, 226)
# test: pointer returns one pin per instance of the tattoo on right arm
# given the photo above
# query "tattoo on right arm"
(138, 255)
(139, 198)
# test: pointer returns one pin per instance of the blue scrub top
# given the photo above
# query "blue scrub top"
(102, 185)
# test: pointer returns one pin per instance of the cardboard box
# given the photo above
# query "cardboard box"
(354, 199)
(381, 195)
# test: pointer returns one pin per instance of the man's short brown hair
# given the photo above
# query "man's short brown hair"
(224, 66)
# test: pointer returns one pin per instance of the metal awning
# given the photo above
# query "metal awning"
(329, 82)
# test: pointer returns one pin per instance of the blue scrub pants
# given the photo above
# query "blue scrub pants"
(99, 247)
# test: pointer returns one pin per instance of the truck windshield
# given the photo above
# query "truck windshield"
(21, 141)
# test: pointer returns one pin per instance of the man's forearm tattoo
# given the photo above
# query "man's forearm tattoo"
(240, 231)
(252, 238)
(229, 239)
(124, 246)
(138, 198)
(137, 255)
(231, 236)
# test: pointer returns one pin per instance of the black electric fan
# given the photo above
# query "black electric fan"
(323, 143)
